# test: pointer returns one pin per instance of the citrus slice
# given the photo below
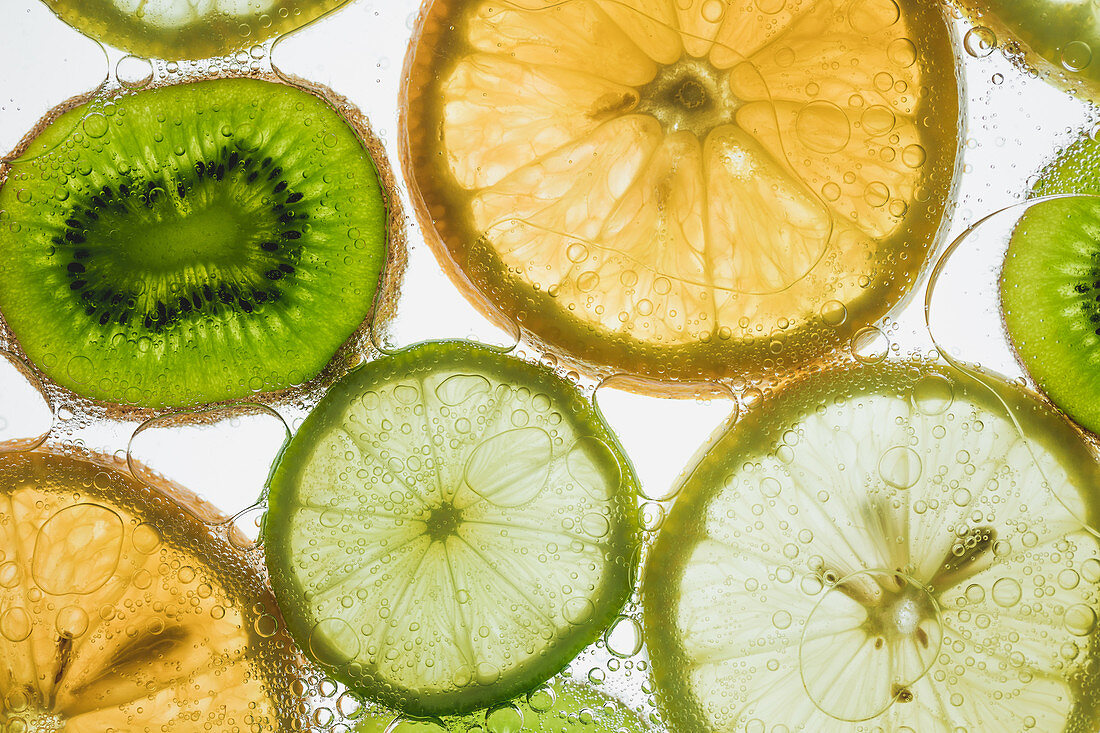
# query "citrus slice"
(683, 190)
(882, 549)
(559, 707)
(1060, 38)
(449, 528)
(121, 612)
(187, 29)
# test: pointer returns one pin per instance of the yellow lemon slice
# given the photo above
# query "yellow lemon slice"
(187, 29)
(683, 189)
(121, 612)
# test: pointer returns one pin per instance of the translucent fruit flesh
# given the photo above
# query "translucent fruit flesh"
(1062, 39)
(882, 549)
(560, 707)
(191, 244)
(683, 190)
(449, 528)
(122, 613)
(187, 29)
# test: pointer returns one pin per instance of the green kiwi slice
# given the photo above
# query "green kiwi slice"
(191, 244)
(1050, 285)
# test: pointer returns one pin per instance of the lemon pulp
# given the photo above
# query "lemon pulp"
(683, 190)
(120, 612)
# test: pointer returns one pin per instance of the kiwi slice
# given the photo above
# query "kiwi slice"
(190, 244)
(1050, 285)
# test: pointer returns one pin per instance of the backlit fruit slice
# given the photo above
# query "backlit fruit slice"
(1061, 38)
(187, 29)
(1051, 280)
(560, 707)
(121, 612)
(191, 244)
(1049, 295)
(882, 549)
(449, 528)
(683, 190)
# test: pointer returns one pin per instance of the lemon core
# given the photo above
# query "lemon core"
(690, 94)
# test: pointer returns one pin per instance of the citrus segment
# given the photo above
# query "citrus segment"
(449, 528)
(121, 612)
(187, 29)
(882, 548)
(675, 189)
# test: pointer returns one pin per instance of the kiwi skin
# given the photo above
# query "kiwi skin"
(190, 357)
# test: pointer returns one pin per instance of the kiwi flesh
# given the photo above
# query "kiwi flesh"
(1050, 295)
(185, 29)
(191, 244)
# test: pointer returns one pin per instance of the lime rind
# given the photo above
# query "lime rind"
(457, 599)
(975, 502)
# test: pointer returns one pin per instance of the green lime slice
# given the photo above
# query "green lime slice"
(450, 527)
(882, 549)
(1061, 38)
(559, 707)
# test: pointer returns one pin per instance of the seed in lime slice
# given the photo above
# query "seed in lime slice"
(558, 707)
(449, 528)
(683, 190)
(121, 612)
(882, 549)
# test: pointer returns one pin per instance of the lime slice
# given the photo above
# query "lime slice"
(560, 707)
(683, 190)
(121, 612)
(449, 528)
(1061, 38)
(881, 549)
(187, 29)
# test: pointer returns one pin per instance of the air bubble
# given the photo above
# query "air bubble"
(823, 127)
(900, 467)
(870, 345)
(1080, 620)
(1076, 56)
(624, 637)
(95, 125)
(334, 642)
(979, 42)
(91, 532)
(1006, 592)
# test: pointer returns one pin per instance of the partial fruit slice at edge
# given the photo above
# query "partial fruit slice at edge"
(187, 29)
(881, 547)
(122, 612)
(1062, 39)
(191, 244)
(683, 190)
(1050, 284)
(559, 707)
(449, 528)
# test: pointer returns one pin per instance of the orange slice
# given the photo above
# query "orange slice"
(683, 190)
(121, 612)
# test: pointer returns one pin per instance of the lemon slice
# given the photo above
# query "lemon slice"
(449, 528)
(187, 29)
(559, 707)
(882, 549)
(120, 612)
(683, 189)
(1061, 38)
